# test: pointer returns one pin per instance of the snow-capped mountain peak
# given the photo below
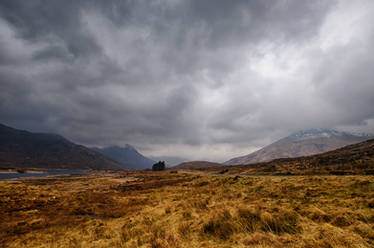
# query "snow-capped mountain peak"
(302, 143)
(315, 133)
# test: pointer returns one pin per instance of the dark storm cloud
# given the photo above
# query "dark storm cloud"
(196, 79)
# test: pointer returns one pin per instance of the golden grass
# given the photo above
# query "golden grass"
(183, 210)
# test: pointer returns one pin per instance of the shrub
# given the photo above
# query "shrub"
(220, 226)
(282, 222)
(277, 223)
(249, 219)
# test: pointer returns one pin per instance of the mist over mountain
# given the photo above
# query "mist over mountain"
(301, 143)
(127, 155)
(23, 149)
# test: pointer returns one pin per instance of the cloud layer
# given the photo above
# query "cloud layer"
(190, 79)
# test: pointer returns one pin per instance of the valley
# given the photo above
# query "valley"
(186, 124)
(55, 193)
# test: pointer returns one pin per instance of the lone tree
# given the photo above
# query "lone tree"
(159, 166)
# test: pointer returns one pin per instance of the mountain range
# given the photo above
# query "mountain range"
(23, 149)
(127, 155)
(352, 159)
(302, 143)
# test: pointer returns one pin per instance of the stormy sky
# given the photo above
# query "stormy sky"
(188, 79)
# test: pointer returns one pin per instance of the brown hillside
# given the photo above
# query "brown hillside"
(352, 159)
(22, 149)
(196, 165)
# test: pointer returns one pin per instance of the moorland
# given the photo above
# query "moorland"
(168, 209)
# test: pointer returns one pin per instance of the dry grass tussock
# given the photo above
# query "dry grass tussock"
(182, 210)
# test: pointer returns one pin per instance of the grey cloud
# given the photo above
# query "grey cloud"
(182, 74)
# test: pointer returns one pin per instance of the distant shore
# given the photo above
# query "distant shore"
(21, 171)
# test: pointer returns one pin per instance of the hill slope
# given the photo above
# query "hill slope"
(126, 155)
(22, 149)
(196, 165)
(352, 159)
(303, 143)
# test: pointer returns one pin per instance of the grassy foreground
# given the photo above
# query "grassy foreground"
(182, 210)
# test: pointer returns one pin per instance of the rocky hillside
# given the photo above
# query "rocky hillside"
(22, 149)
(302, 143)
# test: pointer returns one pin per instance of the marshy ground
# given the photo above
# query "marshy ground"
(165, 209)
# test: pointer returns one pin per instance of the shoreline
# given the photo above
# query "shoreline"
(23, 172)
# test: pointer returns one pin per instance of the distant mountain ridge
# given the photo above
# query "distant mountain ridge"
(301, 143)
(356, 158)
(196, 165)
(126, 155)
(23, 149)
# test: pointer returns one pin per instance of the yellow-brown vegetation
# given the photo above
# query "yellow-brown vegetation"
(162, 209)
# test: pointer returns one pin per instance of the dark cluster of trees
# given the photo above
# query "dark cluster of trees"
(159, 166)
